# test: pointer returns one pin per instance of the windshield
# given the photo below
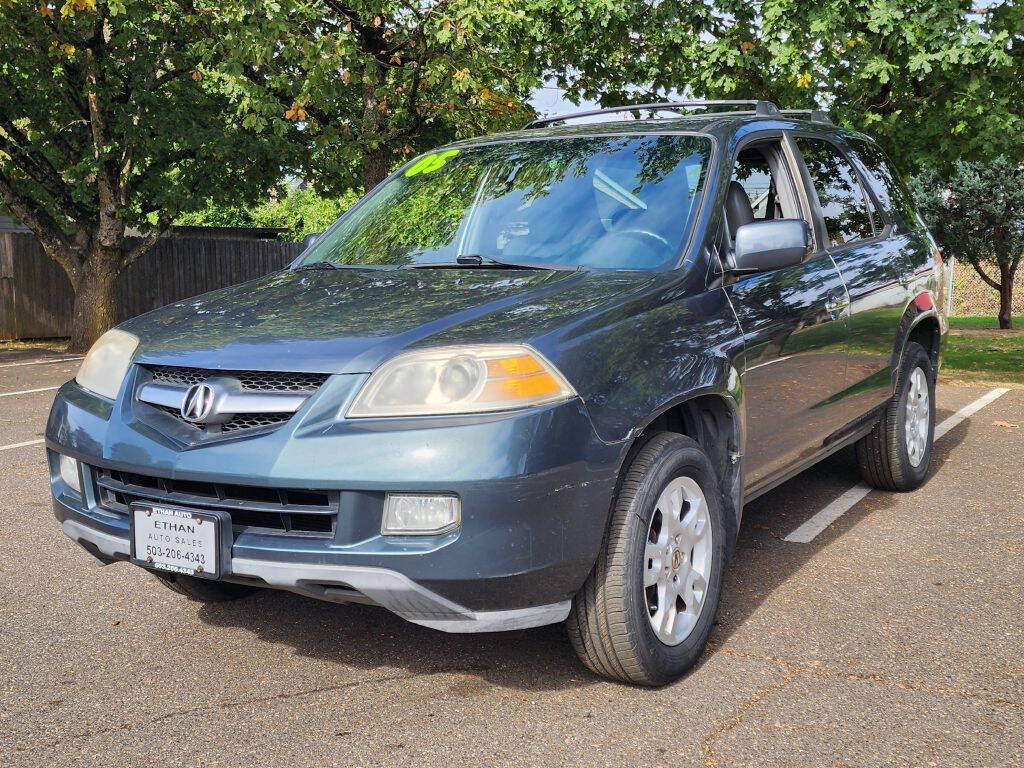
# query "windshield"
(607, 202)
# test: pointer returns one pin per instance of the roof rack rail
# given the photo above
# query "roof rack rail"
(760, 107)
(815, 115)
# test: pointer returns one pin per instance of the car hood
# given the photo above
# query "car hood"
(350, 320)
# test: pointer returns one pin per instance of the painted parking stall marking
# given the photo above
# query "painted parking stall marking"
(810, 529)
(41, 362)
(12, 446)
(28, 391)
(968, 410)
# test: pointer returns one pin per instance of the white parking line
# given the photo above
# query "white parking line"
(12, 446)
(823, 519)
(27, 391)
(968, 410)
(41, 362)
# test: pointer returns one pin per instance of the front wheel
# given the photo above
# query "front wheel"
(646, 610)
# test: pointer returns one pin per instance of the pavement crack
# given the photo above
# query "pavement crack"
(732, 720)
(766, 529)
(283, 696)
(810, 668)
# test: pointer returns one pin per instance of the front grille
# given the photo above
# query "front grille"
(279, 510)
(264, 382)
(254, 421)
(252, 381)
(238, 422)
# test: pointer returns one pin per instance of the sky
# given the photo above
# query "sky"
(549, 100)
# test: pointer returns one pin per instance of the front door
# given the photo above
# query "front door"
(795, 333)
(794, 326)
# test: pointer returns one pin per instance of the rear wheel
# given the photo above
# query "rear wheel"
(895, 455)
(647, 608)
(204, 590)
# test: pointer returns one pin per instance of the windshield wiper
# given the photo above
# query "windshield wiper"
(475, 260)
(318, 265)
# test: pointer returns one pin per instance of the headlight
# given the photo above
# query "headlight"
(470, 379)
(106, 363)
(69, 473)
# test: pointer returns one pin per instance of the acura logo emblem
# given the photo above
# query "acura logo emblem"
(198, 403)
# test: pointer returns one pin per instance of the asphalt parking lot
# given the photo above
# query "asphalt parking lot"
(893, 637)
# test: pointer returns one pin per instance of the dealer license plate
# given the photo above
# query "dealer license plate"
(176, 539)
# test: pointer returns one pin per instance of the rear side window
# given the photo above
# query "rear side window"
(847, 213)
(890, 190)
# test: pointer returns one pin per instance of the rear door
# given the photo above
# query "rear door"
(793, 322)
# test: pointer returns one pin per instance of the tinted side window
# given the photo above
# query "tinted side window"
(888, 187)
(846, 212)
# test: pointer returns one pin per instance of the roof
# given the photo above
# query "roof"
(11, 224)
(719, 124)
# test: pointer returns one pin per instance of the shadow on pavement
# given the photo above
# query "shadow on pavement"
(23, 351)
(374, 639)
(763, 561)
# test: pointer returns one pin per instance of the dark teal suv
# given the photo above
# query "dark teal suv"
(530, 378)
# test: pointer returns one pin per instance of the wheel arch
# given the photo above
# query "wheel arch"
(920, 323)
(713, 420)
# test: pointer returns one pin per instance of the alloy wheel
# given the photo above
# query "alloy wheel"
(918, 417)
(677, 560)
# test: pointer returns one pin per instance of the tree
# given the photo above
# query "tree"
(934, 82)
(977, 215)
(362, 85)
(108, 122)
(300, 212)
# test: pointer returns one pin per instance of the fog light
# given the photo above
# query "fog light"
(407, 514)
(69, 474)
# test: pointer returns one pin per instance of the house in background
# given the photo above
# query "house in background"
(11, 224)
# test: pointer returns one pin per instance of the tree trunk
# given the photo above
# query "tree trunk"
(1005, 297)
(376, 156)
(375, 167)
(94, 310)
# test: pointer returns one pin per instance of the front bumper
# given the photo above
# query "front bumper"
(346, 583)
(535, 488)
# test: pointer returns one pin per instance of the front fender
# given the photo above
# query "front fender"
(640, 366)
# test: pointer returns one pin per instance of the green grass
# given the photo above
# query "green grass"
(981, 323)
(994, 356)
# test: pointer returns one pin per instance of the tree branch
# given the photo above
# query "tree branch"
(986, 278)
(17, 96)
(157, 166)
(148, 240)
(37, 166)
(54, 240)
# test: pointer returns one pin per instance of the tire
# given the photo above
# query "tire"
(610, 624)
(888, 458)
(205, 590)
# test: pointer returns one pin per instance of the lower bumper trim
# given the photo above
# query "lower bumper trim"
(346, 583)
(112, 546)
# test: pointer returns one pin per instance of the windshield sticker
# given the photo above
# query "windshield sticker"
(430, 163)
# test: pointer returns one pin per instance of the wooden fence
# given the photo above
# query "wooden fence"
(36, 297)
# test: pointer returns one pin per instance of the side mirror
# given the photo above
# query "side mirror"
(766, 245)
(309, 239)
